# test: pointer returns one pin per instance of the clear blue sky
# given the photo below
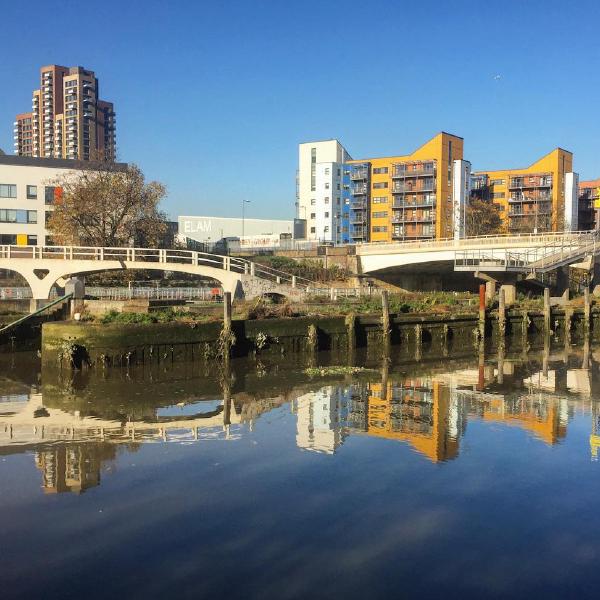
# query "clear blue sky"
(212, 98)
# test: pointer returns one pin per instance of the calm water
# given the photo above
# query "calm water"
(456, 479)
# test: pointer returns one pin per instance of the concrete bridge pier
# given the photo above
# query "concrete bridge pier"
(562, 282)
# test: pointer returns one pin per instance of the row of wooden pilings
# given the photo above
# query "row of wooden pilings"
(547, 312)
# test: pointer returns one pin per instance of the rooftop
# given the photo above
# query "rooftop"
(50, 163)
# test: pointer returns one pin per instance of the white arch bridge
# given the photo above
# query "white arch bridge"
(44, 266)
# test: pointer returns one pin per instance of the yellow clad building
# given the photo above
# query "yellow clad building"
(408, 196)
(541, 197)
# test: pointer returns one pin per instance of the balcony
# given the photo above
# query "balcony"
(518, 183)
(358, 174)
(536, 199)
(402, 218)
(425, 186)
(420, 201)
(359, 189)
(401, 171)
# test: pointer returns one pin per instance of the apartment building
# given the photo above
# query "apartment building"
(68, 120)
(407, 197)
(384, 199)
(589, 204)
(28, 192)
(320, 181)
(541, 197)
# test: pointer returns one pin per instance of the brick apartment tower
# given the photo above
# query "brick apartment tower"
(68, 120)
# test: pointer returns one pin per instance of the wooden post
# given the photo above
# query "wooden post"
(481, 312)
(501, 314)
(351, 329)
(547, 311)
(227, 311)
(385, 316)
(418, 341)
(586, 311)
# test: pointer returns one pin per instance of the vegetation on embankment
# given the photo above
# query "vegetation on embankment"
(306, 268)
(407, 303)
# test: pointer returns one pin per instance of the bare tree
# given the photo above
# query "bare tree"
(107, 204)
(483, 218)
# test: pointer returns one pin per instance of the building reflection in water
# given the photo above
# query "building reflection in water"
(73, 467)
(428, 412)
(419, 411)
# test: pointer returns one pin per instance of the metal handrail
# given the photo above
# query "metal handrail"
(151, 255)
(484, 240)
(35, 313)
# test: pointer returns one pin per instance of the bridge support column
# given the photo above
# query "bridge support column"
(562, 282)
(490, 290)
(510, 294)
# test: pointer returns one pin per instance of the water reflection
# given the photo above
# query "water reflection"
(75, 428)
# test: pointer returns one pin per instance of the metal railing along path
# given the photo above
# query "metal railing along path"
(152, 256)
(556, 252)
(40, 311)
(498, 240)
(154, 293)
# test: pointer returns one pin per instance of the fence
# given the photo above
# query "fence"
(156, 293)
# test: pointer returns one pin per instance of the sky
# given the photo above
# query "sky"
(212, 98)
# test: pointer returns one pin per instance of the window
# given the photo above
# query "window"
(338, 186)
(326, 170)
(380, 170)
(313, 229)
(380, 185)
(49, 193)
(8, 190)
(380, 215)
(313, 202)
(327, 185)
(8, 215)
(498, 195)
(339, 172)
(32, 192)
(337, 201)
(313, 155)
(327, 215)
(326, 228)
(498, 181)
(313, 215)
(380, 229)
(380, 200)
(326, 199)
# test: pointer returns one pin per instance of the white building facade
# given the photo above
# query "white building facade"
(461, 191)
(319, 189)
(27, 194)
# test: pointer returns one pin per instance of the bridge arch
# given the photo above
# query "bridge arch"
(42, 267)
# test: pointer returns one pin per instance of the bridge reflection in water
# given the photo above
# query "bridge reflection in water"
(428, 410)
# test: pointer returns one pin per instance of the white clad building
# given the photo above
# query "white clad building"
(319, 194)
(28, 192)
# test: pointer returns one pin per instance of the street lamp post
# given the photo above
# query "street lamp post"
(244, 202)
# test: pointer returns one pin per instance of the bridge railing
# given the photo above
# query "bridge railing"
(557, 237)
(152, 255)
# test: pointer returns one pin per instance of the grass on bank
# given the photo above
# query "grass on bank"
(434, 302)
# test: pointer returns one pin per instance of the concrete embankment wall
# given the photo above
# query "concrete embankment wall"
(410, 336)
(146, 343)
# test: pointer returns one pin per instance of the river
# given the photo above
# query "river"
(463, 478)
